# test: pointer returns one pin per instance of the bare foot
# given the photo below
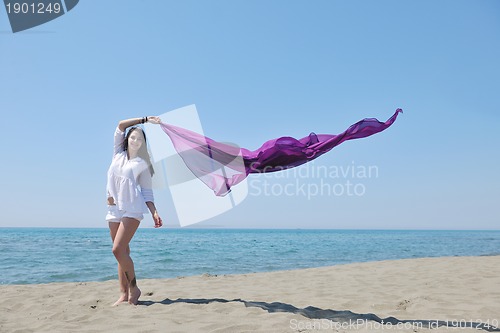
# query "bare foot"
(123, 298)
(135, 293)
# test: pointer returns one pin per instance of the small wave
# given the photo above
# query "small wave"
(164, 261)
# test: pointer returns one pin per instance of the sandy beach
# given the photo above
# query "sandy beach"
(414, 295)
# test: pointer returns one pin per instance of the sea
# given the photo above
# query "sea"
(46, 255)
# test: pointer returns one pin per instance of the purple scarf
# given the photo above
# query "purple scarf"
(221, 165)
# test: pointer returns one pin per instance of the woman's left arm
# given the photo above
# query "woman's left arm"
(146, 184)
(154, 213)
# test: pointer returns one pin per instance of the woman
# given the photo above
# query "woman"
(130, 195)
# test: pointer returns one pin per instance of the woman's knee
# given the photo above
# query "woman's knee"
(120, 250)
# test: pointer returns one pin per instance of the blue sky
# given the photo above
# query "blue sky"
(257, 70)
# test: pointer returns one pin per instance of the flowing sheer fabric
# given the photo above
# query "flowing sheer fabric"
(221, 165)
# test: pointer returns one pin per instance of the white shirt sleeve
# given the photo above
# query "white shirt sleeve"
(119, 139)
(145, 182)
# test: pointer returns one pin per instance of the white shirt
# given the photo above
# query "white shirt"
(126, 178)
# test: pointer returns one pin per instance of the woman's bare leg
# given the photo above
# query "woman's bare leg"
(113, 228)
(124, 234)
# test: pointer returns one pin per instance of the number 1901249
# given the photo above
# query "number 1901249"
(33, 8)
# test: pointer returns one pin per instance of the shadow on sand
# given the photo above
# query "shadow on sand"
(345, 316)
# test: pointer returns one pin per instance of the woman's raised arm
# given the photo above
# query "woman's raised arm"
(124, 124)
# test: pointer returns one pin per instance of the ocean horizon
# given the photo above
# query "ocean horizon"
(45, 255)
